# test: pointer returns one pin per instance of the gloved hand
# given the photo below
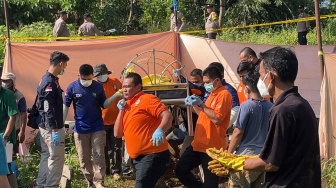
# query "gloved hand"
(229, 160)
(56, 138)
(187, 101)
(194, 100)
(121, 104)
(157, 137)
(177, 73)
(217, 168)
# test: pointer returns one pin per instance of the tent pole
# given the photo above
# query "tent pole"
(319, 37)
(175, 4)
(9, 48)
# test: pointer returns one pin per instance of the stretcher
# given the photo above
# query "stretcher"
(164, 76)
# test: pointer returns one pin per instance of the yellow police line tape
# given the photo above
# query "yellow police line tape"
(52, 38)
(266, 24)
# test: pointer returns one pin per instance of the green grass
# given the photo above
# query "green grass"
(29, 170)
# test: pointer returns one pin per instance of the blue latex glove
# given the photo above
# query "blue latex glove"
(121, 104)
(56, 138)
(157, 137)
(177, 73)
(194, 100)
(187, 101)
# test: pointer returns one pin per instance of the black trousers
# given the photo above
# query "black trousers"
(114, 145)
(189, 160)
(212, 35)
(302, 37)
(149, 168)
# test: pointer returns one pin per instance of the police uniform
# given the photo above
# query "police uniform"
(89, 29)
(211, 25)
(50, 108)
(61, 29)
(177, 27)
(302, 29)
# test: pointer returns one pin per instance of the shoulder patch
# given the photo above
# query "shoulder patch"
(214, 16)
(48, 89)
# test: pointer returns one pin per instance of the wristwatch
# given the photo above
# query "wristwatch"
(5, 137)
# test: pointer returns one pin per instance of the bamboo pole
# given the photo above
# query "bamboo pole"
(9, 48)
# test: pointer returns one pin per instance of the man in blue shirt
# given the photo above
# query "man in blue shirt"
(88, 98)
(250, 131)
(49, 104)
(230, 88)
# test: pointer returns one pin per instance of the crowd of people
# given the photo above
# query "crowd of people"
(269, 118)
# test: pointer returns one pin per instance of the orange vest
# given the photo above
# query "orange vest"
(111, 86)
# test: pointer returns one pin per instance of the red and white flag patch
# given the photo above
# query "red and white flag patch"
(47, 89)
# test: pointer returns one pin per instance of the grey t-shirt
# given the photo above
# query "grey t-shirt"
(253, 118)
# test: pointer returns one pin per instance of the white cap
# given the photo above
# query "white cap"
(8, 76)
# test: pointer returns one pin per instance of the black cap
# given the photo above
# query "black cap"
(209, 5)
(100, 69)
(62, 12)
(86, 15)
(301, 6)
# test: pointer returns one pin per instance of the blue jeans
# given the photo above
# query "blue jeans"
(189, 160)
(149, 168)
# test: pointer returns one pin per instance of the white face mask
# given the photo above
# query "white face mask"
(62, 71)
(263, 90)
(86, 83)
(102, 78)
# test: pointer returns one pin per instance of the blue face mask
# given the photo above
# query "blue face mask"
(209, 87)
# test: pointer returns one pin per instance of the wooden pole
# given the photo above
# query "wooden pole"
(9, 48)
(175, 4)
(319, 37)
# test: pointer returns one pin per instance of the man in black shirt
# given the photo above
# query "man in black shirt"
(290, 156)
(50, 107)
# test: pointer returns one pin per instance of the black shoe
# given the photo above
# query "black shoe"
(127, 172)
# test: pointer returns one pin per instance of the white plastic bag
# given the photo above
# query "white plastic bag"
(23, 150)
(9, 152)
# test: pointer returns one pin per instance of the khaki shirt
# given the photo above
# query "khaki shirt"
(177, 27)
(212, 23)
(89, 29)
(61, 29)
(302, 26)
